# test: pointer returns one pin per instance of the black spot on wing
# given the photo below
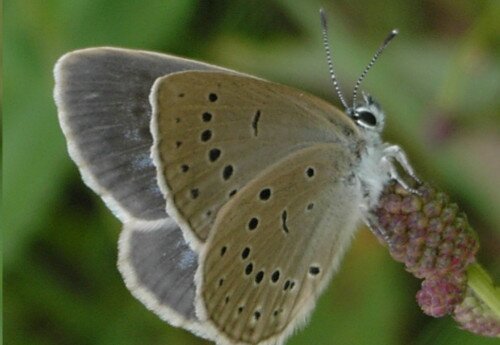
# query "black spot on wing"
(255, 123)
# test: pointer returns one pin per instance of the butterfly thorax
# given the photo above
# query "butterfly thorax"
(372, 171)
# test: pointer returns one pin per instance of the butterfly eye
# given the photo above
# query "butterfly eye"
(367, 118)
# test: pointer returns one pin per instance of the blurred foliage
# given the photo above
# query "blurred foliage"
(439, 83)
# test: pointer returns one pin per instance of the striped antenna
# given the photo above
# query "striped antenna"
(379, 51)
(329, 59)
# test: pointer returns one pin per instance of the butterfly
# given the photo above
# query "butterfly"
(238, 196)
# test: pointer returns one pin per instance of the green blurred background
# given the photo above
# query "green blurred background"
(440, 86)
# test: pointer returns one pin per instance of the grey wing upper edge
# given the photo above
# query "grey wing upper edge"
(102, 96)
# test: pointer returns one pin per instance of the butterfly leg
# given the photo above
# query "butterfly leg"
(396, 153)
(371, 220)
(389, 155)
(394, 174)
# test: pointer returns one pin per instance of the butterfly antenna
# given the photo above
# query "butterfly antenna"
(375, 57)
(324, 27)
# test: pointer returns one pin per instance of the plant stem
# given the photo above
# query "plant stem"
(482, 284)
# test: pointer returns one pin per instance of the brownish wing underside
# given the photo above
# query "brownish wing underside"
(216, 131)
(276, 243)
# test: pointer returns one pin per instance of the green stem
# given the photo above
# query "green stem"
(482, 285)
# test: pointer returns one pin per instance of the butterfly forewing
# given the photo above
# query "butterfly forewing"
(102, 100)
(214, 131)
(274, 246)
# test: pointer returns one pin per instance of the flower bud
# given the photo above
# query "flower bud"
(439, 295)
(425, 231)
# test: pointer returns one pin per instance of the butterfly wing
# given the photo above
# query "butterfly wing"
(214, 132)
(158, 268)
(104, 111)
(267, 259)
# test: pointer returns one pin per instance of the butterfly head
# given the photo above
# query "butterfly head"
(368, 115)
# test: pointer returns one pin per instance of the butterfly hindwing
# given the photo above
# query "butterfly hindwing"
(274, 246)
(215, 131)
(158, 268)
